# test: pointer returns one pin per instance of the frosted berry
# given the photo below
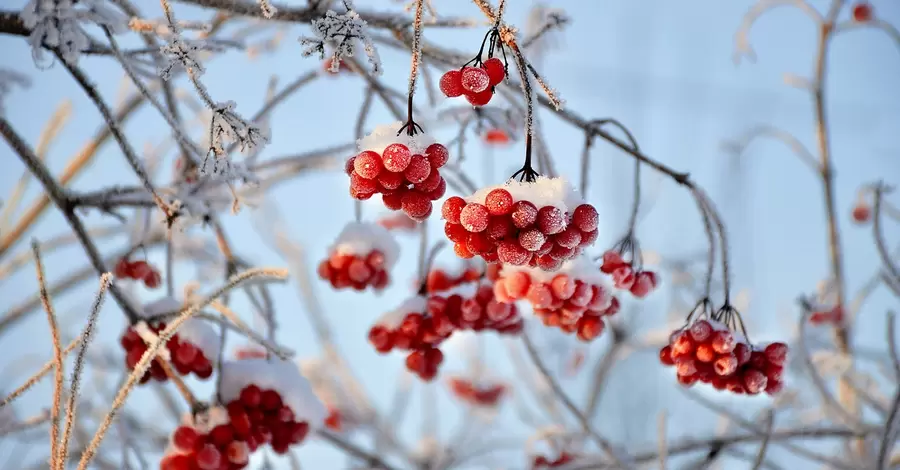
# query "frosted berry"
(568, 238)
(540, 295)
(437, 155)
(700, 331)
(208, 458)
(394, 200)
(585, 217)
(474, 217)
(389, 180)
(523, 214)
(512, 253)
(416, 205)
(551, 220)
(451, 84)
(430, 184)
(478, 243)
(418, 170)
(531, 239)
(754, 381)
(723, 342)
(185, 438)
(452, 209)
(396, 157)
(776, 353)
(725, 365)
(437, 192)
(495, 70)
(475, 80)
(499, 202)
(480, 99)
(367, 164)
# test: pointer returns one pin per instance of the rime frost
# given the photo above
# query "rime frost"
(341, 33)
(58, 24)
(283, 377)
(179, 53)
(361, 238)
(545, 191)
(9, 79)
(386, 134)
(229, 125)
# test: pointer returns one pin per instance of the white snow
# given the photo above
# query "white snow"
(202, 335)
(386, 134)
(580, 268)
(544, 191)
(465, 290)
(283, 377)
(161, 306)
(361, 238)
(149, 336)
(393, 318)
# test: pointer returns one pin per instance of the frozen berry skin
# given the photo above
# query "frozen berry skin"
(512, 253)
(390, 180)
(499, 202)
(523, 214)
(475, 80)
(418, 169)
(474, 217)
(451, 84)
(396, 157)
(495, 70)
(367, 164)
(437, 192)
(776, 353)
(348, 168)
(480, 99)
(531, 239)
(568, 238)
(551, 220)
(437, 155)
(393, 200)
(455, 232)
(586, 218)
(430, 184)
(452, 208)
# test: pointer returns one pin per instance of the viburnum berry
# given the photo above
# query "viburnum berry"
(396, 157)
(480, 99)
(138, 270)
(361, 257)
(437, 155)
(499, 202)
(861, 213)
(474, 217)
(495, 69)
(496, 137)
(475, 80)
(188, 352)
(627, 274)
(862, 12)
(368, 164)
(451, 84)
(484, 394)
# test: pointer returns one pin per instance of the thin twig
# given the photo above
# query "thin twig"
(57, 357)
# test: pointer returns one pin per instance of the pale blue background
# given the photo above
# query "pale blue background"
(663, 68)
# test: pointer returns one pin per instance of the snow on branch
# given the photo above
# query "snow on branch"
(58, 24)
(341, 33)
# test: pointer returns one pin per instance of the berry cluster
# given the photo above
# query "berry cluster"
(439, 280)
(403, 169)
(344, 270)
(139, 270)
(475, 82)
(421, 324)
(543, 462)
(707, 351)
(476, 394)
(572, 299)
(499, 226)
(360, 257)
(186, 357)
(626, 276)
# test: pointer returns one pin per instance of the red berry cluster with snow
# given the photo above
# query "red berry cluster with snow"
(708, 352)
(475, 82)
(138, 270)
(403, 168)
(541, 461)
(192, 351)
(541, 223)
(421, 324)
(266, 403)
(475, 393)
(574, 299)
(627, 276)
(361, 256)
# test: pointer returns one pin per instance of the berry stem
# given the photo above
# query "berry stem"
(411, 126)
(636, 203)
(428, 263)
(527, 172)
(179, 383)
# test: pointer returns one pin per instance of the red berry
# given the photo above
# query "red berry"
(359, 271)
(251, 396)
(479, 243)
(474, 217)
(623, 277)
(238, 453)
(221, 435)
(348, 165)
(700, 331)
(184, 438)
(540, 295)
(368, 164)
(451, 84)
(152, 280)
(725, 364)
(705, 353)
(480, 99)
(139, 269)
(437, 192)
(208, 458)
(396, 157)
(551, 220)
(437, 155)
(202, 368)
(612, 260)
(754, 381)
(270, 400)
(568, 238)
(563, 286)
(588, 238)
(362, 188)
(776, 353)
(123, 269)
(418, 169)
(456, 232)
(499, 227)
(475, 80)
(861, 213)
(743, 353)
(416, 205)
(130, 339)
(773, 387)
(495, 70)
(585, 217)
(390, 180)
(531, 239)
(590, 327)
(665, 356)
(517, 284)
(394, 200)
(462, 250)
(380, 337)
(862, 12)
(186, 353)
(499, 202)
(512, 253)
(548, 263)
(523, 214)
(723, 342)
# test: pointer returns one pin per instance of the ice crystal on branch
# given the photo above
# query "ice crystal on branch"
(268, 10)
(57, 24)
(8, 79)
(341, 33)
(228, 125)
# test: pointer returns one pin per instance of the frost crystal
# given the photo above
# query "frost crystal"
(227, 124)
(341, 33)
(8, 79)
(58, 24)
(268, 10)
(181, 53)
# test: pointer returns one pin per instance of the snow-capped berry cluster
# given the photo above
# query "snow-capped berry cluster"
(475, 82)
(626, 276)
(541, 223)
(421, 324)
(361, 257)
(477, 394)
(403, 168)
(138, 270)
(543, 462)
(574, 299)
(191, 351)
(708, 352)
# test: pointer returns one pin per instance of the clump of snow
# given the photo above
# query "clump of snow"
(161, 306)
(393, 318)
(361, 238)
(206, 420)
(283, 377)
(580, 268)
(386, 134)
(465, 290)
(202, 335)
(58, 24)
(544, 191)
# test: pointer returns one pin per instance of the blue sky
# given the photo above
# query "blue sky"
(663, 68)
